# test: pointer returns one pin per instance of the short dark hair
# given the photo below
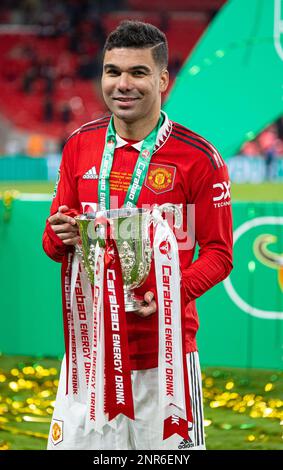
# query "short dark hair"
(139, 35)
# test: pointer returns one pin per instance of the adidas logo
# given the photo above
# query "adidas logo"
(91, 174)
(185, 444)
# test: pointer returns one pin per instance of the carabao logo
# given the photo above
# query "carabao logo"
(256, 283)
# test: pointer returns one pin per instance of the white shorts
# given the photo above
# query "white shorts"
(145, 433)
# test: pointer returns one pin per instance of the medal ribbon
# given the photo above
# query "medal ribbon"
(139, 172)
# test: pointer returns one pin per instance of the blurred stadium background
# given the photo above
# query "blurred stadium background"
(50, 72)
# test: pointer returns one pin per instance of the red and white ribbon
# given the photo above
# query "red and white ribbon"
(80, 328)
(119, 397)
(66, 275)
(95, 416)
(174, 399)
(100, 376)
(97, 376)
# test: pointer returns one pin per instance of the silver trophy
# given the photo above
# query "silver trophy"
(130, 228)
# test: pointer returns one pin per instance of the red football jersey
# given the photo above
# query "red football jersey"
(184, 169)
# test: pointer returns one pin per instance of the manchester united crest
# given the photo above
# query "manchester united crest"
(57, 431)
(160, 178)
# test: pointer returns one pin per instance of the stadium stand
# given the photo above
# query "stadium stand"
(27, 82)
(50, 54)
(50, 62)
(176, 5)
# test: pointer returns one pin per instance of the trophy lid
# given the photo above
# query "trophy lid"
(112, 213)
(121, 212)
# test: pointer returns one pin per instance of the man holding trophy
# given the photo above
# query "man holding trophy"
(136, 193)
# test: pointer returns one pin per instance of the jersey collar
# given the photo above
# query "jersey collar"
(162, 135)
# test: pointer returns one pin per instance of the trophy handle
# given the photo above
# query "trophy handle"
(175, 209)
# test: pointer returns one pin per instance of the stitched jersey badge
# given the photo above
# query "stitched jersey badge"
(160, 178)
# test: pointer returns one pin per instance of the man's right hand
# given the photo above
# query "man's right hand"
(64, 226)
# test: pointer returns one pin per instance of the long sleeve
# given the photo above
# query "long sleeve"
(65, 194)
(210, 194)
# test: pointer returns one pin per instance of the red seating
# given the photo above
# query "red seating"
(175, 5)
(183, 31)
(113, 19)
(26, 110)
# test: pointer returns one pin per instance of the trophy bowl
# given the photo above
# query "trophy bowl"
(130, 228)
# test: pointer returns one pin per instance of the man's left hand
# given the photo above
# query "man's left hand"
(150, 305)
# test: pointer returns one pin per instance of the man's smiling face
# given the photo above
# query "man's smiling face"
(132, 83)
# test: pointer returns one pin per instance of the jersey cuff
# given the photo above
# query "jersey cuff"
(59, 246)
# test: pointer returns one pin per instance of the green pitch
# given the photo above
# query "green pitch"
(27, 397)
(240, 192)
